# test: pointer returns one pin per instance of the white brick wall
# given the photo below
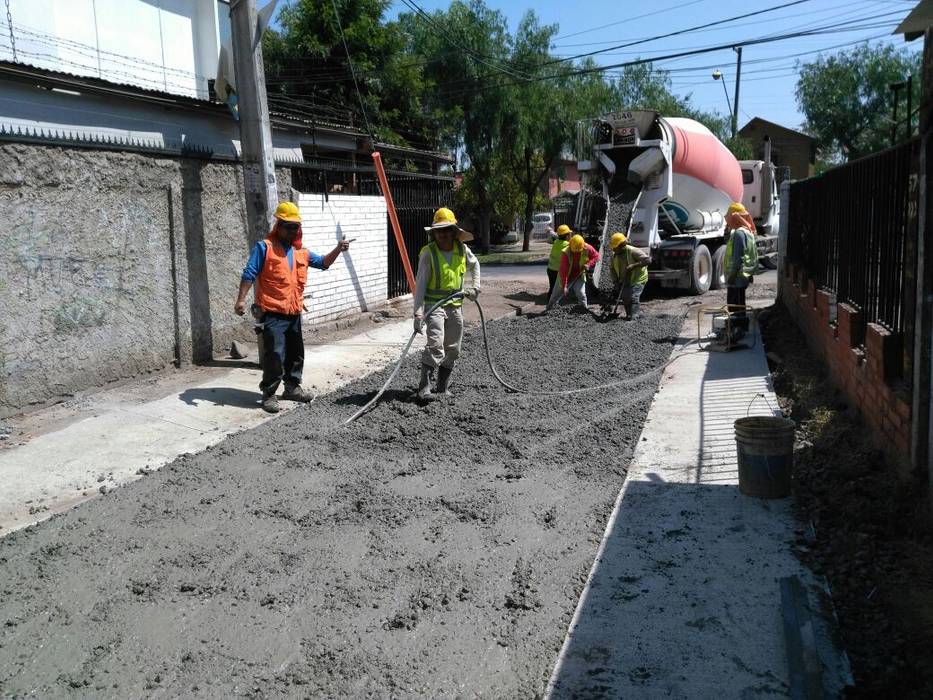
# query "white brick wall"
(358, 278)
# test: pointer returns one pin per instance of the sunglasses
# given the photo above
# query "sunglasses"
(290, 227)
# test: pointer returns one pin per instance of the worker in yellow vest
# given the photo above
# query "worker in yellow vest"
(629, 273)
(579, 259)
(442, 266)
(279, 266)
(561, 241)
(740, 262)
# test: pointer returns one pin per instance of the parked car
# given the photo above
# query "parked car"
(541, 224)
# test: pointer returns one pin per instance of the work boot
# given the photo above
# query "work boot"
(297, 393)
(424, 385)
(443, 381)
(270, 404)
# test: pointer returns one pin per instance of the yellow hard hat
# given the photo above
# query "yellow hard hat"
(617, 240)
(563, 230)
(444, 217)
(576, 243)
(736, 208)
(286, 211)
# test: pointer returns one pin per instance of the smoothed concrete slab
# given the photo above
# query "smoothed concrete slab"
(684, 597)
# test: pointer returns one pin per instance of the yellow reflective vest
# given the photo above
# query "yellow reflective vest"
(445, 277)
(621, 260)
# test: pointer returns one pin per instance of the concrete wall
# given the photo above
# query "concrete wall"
(114, 264)
(866, 375)
(358, 280)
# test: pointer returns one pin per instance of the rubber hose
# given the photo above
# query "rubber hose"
(398, 365)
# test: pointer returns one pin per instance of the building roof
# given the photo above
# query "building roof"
(71, 83)
(916, 23)
(758, 121)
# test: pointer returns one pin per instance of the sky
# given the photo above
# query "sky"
(768, 70)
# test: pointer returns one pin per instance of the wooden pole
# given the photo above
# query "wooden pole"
(393, 219)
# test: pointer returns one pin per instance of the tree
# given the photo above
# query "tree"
(464, 51)
(847, 102)
(307, 71)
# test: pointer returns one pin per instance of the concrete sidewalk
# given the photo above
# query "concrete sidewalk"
(123, 434)
(683, 599)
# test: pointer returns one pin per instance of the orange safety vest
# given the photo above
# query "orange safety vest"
(278, 288)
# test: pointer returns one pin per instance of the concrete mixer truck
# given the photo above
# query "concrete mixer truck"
(666, 183)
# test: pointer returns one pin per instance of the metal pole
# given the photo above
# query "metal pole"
(255, 131)
(738, 77)
(895, 88)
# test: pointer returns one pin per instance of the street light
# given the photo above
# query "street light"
(717, 75)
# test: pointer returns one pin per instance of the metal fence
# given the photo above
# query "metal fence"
(852, 229)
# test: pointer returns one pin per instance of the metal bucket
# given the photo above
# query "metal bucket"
(765, 446)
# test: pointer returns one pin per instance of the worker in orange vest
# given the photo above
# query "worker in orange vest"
(575, 262)
(279, 266)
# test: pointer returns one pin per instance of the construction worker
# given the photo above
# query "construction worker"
(629, 273)
(579, 258)
(279, 267)
(561, 241)
(741, 261)
(442, 265)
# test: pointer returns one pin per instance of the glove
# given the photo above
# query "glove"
(419, 324)
(471, 293)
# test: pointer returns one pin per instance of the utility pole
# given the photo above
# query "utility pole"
(895, 88)
(255, 131)
(738, 77)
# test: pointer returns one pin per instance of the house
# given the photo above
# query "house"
(561, 177)
(123, 197)
(789, 148)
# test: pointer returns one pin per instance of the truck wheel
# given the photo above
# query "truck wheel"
(719, 268)
(701, 270)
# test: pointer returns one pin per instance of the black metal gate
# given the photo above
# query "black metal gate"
(851, 227)
(416, 198)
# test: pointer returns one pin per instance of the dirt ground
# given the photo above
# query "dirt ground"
(433, 551)
(870, 533)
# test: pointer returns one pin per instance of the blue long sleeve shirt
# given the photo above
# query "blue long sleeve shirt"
(257, 258)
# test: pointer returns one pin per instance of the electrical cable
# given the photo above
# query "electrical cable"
(356, 85)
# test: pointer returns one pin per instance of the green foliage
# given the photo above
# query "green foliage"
(847, 101)
(307, 72)
(741, 148)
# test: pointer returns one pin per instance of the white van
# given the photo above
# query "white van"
(541, 223)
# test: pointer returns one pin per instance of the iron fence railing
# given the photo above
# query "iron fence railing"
(851, 229)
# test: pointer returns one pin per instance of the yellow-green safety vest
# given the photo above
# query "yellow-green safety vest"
(622, 260)
(557, 249)
(749, 259)
(445, 277)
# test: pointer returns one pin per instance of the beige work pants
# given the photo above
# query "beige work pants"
(444, 333)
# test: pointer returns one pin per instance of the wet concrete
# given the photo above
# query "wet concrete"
(431, 550)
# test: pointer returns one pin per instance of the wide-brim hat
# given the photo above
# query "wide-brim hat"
(462, 236)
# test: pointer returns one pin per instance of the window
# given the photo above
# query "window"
(748, 177)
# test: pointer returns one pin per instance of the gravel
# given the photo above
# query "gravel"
(618, 218)
(431, 550)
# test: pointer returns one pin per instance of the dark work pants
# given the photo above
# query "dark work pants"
(283, 354)
(551, 279)
(736, 296)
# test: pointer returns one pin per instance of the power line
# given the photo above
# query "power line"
(681, 31)
(630, 19)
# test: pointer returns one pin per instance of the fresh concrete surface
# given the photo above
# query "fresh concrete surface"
(123, 433)
(683, 599)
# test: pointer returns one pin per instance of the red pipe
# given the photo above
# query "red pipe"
(393, 218)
